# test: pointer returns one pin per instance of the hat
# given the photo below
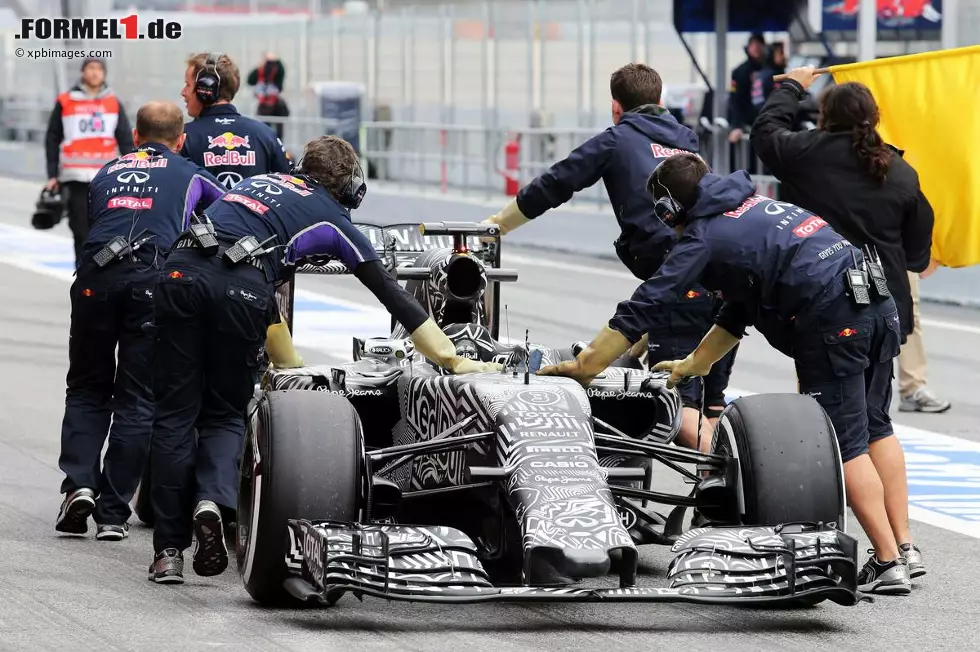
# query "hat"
(88, 60)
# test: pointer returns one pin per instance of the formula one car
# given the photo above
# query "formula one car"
(385, 476)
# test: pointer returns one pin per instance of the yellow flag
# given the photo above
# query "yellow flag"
(929, 105)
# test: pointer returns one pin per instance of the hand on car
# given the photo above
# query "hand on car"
(681, 369)
(466, 366)
(569, 369)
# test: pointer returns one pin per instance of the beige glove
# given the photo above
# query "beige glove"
(716, 343)
(435, 346)
(602, 351)
(279, 347)
(509, 218)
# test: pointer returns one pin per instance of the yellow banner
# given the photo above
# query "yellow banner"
(930, 107)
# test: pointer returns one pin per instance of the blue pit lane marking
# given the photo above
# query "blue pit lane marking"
(943, 471)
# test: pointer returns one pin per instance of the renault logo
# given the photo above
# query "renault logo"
(133, 176)
(229, 179)
(267, 187)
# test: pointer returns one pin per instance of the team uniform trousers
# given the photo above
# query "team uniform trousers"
(210, 320)
(109, 307)
(844, 355)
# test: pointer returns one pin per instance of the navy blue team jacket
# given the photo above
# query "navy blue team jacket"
(770, 260)
(231, 146)
(152, 189)
(301, 214)
(623, 156)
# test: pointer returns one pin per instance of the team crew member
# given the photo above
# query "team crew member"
(783, 270)
(88, 127)
(212, 317)
(623, 156)
(142, 198)
(229, 145)
(878, 200)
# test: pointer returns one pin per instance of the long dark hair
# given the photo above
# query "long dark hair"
(851, 107)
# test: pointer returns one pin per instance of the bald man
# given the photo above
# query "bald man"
(138, 204)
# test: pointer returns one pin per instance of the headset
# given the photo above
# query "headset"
(207, 84)
(351, 196)
(667, 209)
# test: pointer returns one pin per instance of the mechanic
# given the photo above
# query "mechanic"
(140, 203)
(788, 273)
(88, 127)
(213, 313)
(623, 156)
(229, 145)
(879, 201)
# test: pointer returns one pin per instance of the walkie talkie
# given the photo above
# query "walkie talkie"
(203, 233)
(858, 283)
(113, 249)
(876, 271)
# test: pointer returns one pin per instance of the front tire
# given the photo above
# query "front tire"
(788, 460)
(303, 458)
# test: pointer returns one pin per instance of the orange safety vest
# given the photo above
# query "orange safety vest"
(89, 125)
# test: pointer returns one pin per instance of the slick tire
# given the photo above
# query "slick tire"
(788, 460)
(303, 458)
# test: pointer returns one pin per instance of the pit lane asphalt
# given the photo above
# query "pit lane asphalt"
(68, 593)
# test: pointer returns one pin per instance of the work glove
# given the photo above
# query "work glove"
(431, 342)
(716, 343)
(507, 219)
(602, 351)
(279, 347)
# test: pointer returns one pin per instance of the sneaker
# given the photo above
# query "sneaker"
(891, 578)
(913, 558)
(74, 512)
(210, 551)
(922, 400)
(167, 567)
(112, 532)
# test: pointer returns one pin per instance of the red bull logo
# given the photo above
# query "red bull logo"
(691, 294)
(137, 162)
(746, 205)
(810, 226)
(847, 332)
(229, 142)
(665, 152)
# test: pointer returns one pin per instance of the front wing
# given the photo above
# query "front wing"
(762, 565)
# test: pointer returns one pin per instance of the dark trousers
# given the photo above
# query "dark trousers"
(210, 321)
(78, 217)
(108, 308)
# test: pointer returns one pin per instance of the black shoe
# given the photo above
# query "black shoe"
(167, 567)
(112, 532)
(210, 552)
(890, 578)
(74, 512)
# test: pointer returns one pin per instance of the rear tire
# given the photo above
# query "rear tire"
(310, 465)
(788, 460)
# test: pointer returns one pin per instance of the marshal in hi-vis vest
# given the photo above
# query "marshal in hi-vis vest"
(89, 134)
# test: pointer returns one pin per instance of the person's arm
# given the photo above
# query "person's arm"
(582, 168)
(632, 320)
(773, 139)
(917, 234)
(203, 189)
(253, 77)
(716, 343)
(124, 132)
(52, 140)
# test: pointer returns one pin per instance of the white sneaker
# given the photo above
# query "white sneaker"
(922, 400)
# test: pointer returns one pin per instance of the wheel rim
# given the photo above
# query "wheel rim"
(248, 499)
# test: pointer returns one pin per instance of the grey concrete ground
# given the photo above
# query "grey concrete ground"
(58, 593)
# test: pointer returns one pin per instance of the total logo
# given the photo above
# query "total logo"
(252, 204)
(133, 203)
(229, 142)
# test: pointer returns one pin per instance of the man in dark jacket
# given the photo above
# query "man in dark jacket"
(643, 134)
(88, 127)
(783, 270)
(269, 78)
(227, 144)
(747, 93)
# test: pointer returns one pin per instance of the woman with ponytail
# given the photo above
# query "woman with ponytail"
(844, 172)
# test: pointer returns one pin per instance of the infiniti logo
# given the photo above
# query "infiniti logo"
(268, 187)
(230, 179)
(133, 176)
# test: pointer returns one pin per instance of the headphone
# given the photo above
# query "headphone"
(350, 196)
(207, 84)
(667, 209)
